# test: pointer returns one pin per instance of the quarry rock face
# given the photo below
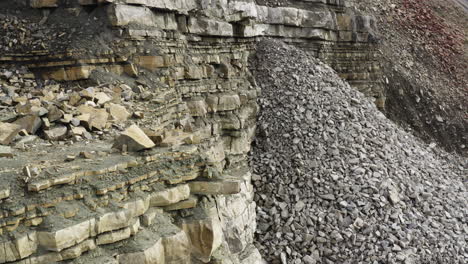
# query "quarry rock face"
(177, 71)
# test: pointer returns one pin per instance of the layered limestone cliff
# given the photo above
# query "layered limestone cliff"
(189, 199)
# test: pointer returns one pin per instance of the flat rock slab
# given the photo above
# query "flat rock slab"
(134, 138)
(6, 152)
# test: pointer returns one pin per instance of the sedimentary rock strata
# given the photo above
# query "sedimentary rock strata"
(130, 127)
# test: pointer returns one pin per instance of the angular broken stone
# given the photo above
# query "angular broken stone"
(8, 132)
(30, 123)
(118, 113)
(78, 131)
(6, 152)
(93, 117)
(88, 93)
(54, 113)
(134, 139)
(56, 133)
(102, 98)
(138, 114)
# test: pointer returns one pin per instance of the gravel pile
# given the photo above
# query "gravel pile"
(337, 182)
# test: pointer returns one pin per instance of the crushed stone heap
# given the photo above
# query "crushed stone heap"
(337, 182)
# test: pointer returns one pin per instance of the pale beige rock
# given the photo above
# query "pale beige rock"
(56, 133)
(148, 218)
(6, 152)
(47, 258)
(205, 26)
(54, 113)
(66, 237)
(78, 131)
(170, 196)
(97, 117)
(113, 221)
(23, 246)
(78, 250)
(134, 138)
(215, 153)
(8, 132)
(137, 207)
(114, 236)
(177, 248)
(135, 227)
(151, 62)
(214, 187)
(88, 93)
(30, 123)
(102, 98)
(4, 192)
(191, 202)
(197, 107)
(206, 235)
(43, 3)
(151, 255)
(118, 113)
(194, 72)
(228, 102)
(67, 118)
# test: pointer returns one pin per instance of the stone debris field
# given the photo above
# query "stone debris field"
(337, 182)
(211, 132)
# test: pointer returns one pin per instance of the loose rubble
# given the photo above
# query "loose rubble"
(56, 112)
(337, 182)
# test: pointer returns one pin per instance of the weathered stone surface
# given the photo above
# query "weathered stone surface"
(197, 107)
(4, 192)
(54, 113)
(153, 254)
(43, 3)
(93, 117)
(78, 250)
(228, 102)
(118, 113)
(6, 152)
(66, 237)
(134, 139)
(30, 123)
(170, 196)
(206, 235)
(113, 236)
(184, 63)
(151, 62)
(148, 218)
(191, 202)
(177, 248)
(213, 187)
(113, 221)
(101, 98)
(8, 132)
(56, 133)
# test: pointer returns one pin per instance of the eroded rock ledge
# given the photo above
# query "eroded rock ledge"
(190, 199)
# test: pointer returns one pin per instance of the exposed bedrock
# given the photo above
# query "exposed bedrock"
(190, 198)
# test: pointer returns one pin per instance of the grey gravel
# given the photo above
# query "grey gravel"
(337, 182)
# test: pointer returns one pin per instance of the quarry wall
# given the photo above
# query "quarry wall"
(190, 198)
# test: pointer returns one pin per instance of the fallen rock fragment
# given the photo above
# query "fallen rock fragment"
(56, 133)
(30, 123)
(93, 117)
(118, 113)
(134, 139)
(8, 132)
(6, 152)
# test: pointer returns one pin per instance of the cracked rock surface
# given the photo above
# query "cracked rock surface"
(337, 182)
